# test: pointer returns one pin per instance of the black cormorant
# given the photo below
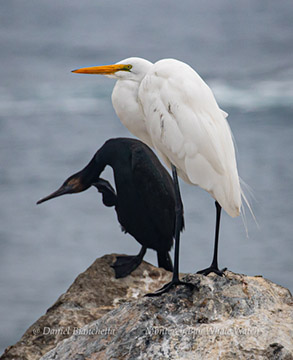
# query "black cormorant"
(144, 199)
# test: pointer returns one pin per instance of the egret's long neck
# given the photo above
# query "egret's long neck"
(129, 110)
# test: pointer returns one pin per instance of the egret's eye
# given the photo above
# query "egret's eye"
(127, 67)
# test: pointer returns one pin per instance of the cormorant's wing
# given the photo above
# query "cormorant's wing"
(155, 187)
(108, 192)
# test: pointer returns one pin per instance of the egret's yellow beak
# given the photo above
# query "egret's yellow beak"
(103, 70)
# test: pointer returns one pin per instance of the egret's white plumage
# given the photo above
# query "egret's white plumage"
(170, 108)
(126, 101)
(187, 126)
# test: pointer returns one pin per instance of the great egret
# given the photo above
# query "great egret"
(144, 199)
(169, 107)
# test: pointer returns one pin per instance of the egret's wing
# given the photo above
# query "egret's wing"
(224, 113)
(181, 112)
(187, 125)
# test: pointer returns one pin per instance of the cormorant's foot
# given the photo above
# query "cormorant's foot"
(212, 269)
(167, 287)
(124, 265)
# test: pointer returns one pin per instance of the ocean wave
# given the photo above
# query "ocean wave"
(260, 96)
(51, 106)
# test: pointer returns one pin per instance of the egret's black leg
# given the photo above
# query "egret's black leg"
(124, 265)
(178, 225)
(214, 266)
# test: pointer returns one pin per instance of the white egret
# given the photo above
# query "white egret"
(170, 108)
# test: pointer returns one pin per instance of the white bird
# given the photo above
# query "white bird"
(169, 107)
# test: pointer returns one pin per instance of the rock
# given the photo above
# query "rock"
(94, 293)
(231, 317)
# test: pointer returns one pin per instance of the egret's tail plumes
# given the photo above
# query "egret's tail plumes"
(243, 196)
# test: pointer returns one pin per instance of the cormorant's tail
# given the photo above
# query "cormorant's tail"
(164, 260)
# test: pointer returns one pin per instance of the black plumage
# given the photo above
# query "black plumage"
(144, 199)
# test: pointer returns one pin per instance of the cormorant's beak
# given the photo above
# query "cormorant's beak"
(103, 70)
(64, 189)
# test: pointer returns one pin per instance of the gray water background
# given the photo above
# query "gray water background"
(52, 122)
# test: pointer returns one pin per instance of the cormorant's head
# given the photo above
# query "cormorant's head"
(74, 184)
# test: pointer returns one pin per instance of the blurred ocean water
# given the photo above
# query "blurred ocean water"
(52, 122)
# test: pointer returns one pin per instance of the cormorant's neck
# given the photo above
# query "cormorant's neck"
(91, 173)
(108, 154)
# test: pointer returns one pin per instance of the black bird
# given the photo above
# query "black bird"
(144, 199)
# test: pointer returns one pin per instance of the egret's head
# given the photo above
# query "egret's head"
(129, 69)
(74, 184)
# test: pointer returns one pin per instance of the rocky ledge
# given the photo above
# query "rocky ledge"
(100, 317)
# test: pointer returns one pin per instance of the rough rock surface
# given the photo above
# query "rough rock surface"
(93, 293)
(233, 317)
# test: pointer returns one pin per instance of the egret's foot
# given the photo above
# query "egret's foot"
(213, 269)
(124, 265)
(169, 286)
